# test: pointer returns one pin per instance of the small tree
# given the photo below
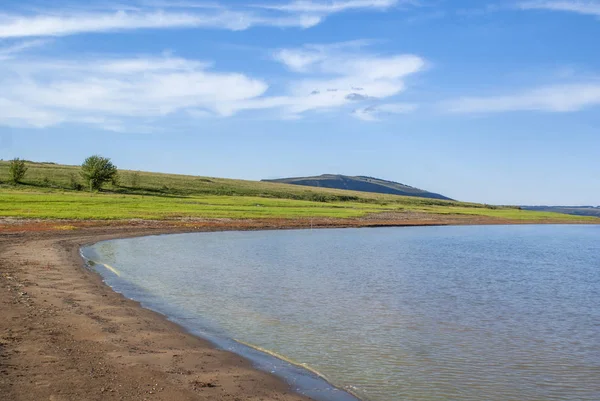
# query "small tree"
(17, 170)
(115, 181)
(134, 179)
(97, 170)
(74, 183)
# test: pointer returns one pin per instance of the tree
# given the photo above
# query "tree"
(97, 170)
(17, 170)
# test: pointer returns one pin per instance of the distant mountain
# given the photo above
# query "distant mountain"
(359, 183)
(575, 210)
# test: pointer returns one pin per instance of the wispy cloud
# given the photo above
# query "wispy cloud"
(580, 7)
(170, 15)
(19, 114)
(376, 112)
(46, 93)
(307, 57)
(337, 76)
(113, 92)
(64, 23)
(330, 7)
(12, 50)
(558, 98)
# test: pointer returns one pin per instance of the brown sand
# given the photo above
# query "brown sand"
(64, 335)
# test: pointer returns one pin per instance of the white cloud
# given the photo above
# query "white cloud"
(330, 7)
(117, 92)
(345, 60)
(337, 75)
(65, 23)
(17, 114)
(580, 7)
(375, 112)
(559, 98)
(11, 51)
(96, 18)
(47, 93)
(297, 60)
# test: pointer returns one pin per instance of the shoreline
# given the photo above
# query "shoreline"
(11, 225)
(65, 334)
(308, 382)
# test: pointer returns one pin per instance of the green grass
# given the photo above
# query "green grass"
(45, 194)
(48, 175)
(505, 213)
(62, 205)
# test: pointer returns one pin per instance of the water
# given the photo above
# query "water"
(431, 313)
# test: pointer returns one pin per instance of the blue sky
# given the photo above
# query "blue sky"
(495, 102)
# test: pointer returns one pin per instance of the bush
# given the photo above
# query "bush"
(97, 171)
(17, 170)
(74, 183)
(134, 179)
(115, 181)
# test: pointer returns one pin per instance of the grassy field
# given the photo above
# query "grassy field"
(48, 193)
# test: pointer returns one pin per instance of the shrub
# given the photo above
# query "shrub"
(74, 183)
(134, 179)
(17, 170)
(115, 181)
(97, 171)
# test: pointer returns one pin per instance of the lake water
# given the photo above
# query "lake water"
(423, 313)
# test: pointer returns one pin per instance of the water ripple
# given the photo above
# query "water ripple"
(437, 313)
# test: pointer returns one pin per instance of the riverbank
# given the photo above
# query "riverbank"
(65, 335)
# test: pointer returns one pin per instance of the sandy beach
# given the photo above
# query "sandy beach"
(65, 335)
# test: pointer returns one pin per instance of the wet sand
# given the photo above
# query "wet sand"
(65, 335)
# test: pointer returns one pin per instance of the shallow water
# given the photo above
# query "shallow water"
(425, 313)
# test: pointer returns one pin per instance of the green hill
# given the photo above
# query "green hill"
(52, 191)
(65, 177)
(360, 183)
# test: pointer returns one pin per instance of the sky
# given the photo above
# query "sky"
(483, 101)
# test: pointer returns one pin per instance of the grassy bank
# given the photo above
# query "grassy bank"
(48, 193)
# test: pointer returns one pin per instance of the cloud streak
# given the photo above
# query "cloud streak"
(337, 76)
(579, 7)
(46, 93)
(330, 7)
(113, 92)
(7, 52)
(557, 99)
(376, 112)
(167, 15)
(20, 26)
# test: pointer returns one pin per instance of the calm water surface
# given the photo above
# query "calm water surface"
(432, 313)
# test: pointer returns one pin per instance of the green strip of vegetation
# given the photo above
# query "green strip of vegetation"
(50, 191)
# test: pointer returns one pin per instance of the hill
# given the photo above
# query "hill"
(53, 191)
(361, 184)
(65, 177)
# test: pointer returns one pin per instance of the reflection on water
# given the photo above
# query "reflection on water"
(436, 313)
